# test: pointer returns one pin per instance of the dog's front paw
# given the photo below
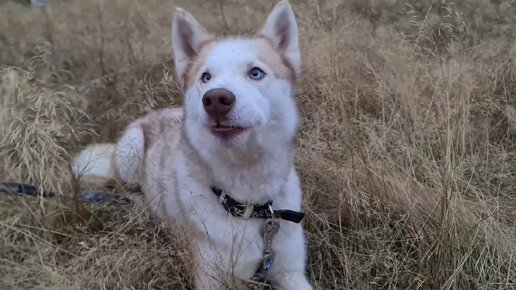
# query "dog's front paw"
(293, 281)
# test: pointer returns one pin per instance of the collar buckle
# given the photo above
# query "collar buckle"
(270, 210)
(222, 198)
(263, 211)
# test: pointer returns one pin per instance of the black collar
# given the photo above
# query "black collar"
(263, 211)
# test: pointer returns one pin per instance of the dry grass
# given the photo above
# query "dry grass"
(407, 152)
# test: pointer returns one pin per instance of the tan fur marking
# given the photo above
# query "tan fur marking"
(269, 55)
(194, 66)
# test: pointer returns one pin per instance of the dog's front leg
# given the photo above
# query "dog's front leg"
(288, 270)
(205, 278)
(293, 281)
(207, 274)
(212, 269)
(204, 282)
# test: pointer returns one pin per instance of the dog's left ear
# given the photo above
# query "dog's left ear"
(281, 29)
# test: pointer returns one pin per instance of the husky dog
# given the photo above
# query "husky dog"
(220, 170)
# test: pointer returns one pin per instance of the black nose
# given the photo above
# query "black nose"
(218, 103)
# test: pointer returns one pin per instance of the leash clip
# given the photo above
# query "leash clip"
(271, 228)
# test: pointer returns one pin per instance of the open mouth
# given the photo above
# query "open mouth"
(226, 132)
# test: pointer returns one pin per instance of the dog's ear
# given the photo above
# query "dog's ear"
(188, 36)
(281, 29)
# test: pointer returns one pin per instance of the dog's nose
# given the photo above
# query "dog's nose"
(218, 103)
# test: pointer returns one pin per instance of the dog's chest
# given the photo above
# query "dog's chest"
(245, 242)
(235, 240)
(238, 242)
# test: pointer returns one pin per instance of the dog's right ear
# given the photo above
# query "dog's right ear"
(188, 36)
(281, 29)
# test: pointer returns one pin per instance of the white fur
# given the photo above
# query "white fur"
(130, 151)
(176, 170)
(95, 161)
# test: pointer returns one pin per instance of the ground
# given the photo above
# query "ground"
(407, 152)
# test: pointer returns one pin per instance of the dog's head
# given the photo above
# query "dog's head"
(238, 90)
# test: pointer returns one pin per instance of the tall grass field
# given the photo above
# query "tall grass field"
(407, 150)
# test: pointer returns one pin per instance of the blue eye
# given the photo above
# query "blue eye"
(256, 74)
(205, 77)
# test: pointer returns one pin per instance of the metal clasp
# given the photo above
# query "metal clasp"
(222, 198)
(271, 228)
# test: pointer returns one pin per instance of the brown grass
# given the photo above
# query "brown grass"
(407, 152)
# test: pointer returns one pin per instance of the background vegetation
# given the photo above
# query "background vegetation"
(407, 152)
